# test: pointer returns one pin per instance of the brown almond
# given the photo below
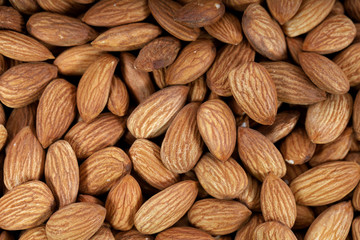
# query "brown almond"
(355, 228)
(133, 234)
(118, 102)
(197, 90)
(3, 64)
(37, 233)
(356, 198)
(304, 217)
(295, 47)
(26, 6)
(283, 10)
(104, 233)
(352, 8)
(250, 196)
(11, 19)
(337, 9)
(239, 5)
(246, 232)
(19, 118)
(179, 233)
(159, 77)
(356, 116)
(347, 60)
(293, 171)
(3, 136)
(66, 7)
(89, 199)
(273, 230)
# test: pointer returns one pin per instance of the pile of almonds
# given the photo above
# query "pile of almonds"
(179, 119)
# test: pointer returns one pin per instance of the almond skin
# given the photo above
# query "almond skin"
(179, 233)
(77, 220)
(283, 10)
(64, 7)
(106, 14)
(19, 118)
(259, 155)
(342, 32)
(352, 8)
(3, 136)
(11, 19)
(56, 111)
(254, 91)
(192, 62)
(293, 171)
(295, 47)
(23, 84)
(25, 6)
(246, 232)
(94, 87)
(356, 116)
(37, 233)
(180, 150)
(355, 228)
(126, 37)
(316, 187)
(23, 48)
(122, 202)
(62, 172)
(250, 196)
(118, 102)
(304, 217)
(264, 34)
(347, 60)
(197, 90)
(133, 235)
(217, 127)
(333, 223)
(88, 138)
(239, 5)
(104, 233)
(218, 217)
(34, 199)
(222, 180)
(102, 170)
(166, 207)
(152, 117)
(326, 120)
(273, 230)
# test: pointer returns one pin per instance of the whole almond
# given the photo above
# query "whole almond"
(283, 10)
(26, 206)
(347, 60)
(192, 62)
(179, 233)
(197, 90)
(159, 77)
(19, 118)
(59, 30)
(56, 111)
(77, 220)
(118, 102)
(218, 217)
(111, 13)
(23, 84)
(62, 172)
(222, 180)
(304, 217)
(23, 48)
(250, 196)
(163, 11)
(88, 138)
(102, 170)
(316, 187)
(152, 117)
(126, 37)
(94, 87)
(332, 35)
(254, 91)
(25, 6)
(122, 202)
(217, 127)
(355, 228)
(246, 232)
(11, 19)
(25, 159)
(326, 120)
(37, 233)
(259, 155)
(166, 207)
(273, 230)
(264, 34)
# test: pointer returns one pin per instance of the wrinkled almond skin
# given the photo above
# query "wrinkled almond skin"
(56, 111)
(180, 150)
(326, 120)
(246, 232)
(11, 19)
(356, 116)
(19, 118)
(259, 155)
(62, 172)
(255, 92)
(34, 199)
(283, 10)
(77, 220)
(356, 198)
(355, 229)
(352, 8)
(64, 7)
(347, 60)
(25, 6)
(273, 230)
(217, 127)
(239, 5)
(218, 217)
(104, 233)
(293, 171)
(316, 187)
(37, 233)
(133, 234)
(197, 90)
(179, 233)
(3, 136)
(165, 208)
(295, 47)
(304, 217)
(264, 34)
(111, 13)
(118, 102)
(122, 202)
(250, 196)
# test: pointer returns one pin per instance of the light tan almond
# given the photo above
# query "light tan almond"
(326, 120)
(197, 90)
(11, 19)
(3, 136)
(179, 233)
(283, 10)
(152, 117)
(25, 6)
(250, 196)
(246, 232)
(347, 60)
(295, 47)
(304, 217)
(62, 172)
(317, 187)
(165, 208)
(239, 5)
(104, 233)
(273, 230)
(19, 118)
(37, 233)
(355, 228)
(94, 87)
(118, 102)
(356, 198)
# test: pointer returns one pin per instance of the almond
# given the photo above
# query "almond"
(197, 90)
(293, 171)
(152, 117)
(19, 118)
(352, 8)
(64, 7)
(59, 30)
(166, 207)
(283, 10)
(337, 9)
(62, 172)
(192, 62)
(326, 120)
(102, 170)
(77, 220)
(11, 19)
(246, 232)
(122, 202)
(56, 111)
(273, 230)
(218, 217)
(23, 48)
(239, 5)
(250, 196)
(304, 217)
(89, 199)
(88, 138)
(179, 233)
(316, 187)
(295, 47)
(347, 60)
(126, 37)
(356, 116)
(264, 34)
(133, 235)
(104, 233)
(37, 233)
(259, 155)
(118, 102)
(25, 6)
(332, 35)
(3, 136)
(3, 64)
(26, 206)
(111, 13)
(254, 91)
(217, 127)
(355, 228)
(163, 11)
(23, 84)
(94, 87)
